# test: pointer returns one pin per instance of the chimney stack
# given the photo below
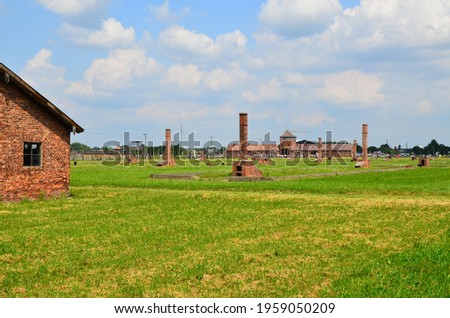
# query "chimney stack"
(167, 157)
(243, 135)
(168, 154)
(319, 148)
(244, 167)
(354, 150)
(365, 133)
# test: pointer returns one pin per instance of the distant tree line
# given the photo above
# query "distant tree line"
(433, 148)
(177, 150)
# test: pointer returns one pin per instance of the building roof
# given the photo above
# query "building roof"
(295, 147)
(337, 147)
(288, 134)
(304, 141)
(10, 76)
(315, 147)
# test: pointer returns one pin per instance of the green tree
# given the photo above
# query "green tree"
(443, 149)
(385, 148)
(417, 150)
(432, 147)
(78, 146)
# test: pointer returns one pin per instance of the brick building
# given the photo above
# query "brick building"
(288, 143)
(34, 141)
(290, 147)
(255, 151)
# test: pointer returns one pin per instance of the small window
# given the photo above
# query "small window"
(31, 154)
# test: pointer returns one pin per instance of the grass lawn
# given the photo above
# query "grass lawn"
(382, 232)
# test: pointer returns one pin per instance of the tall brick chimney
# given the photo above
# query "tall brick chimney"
(365, 162)
(168, 154)
(167, 157)
(365, 133)
(329, 151)
(243, 135)
(245, 167)
(319, 148)
(354, 150)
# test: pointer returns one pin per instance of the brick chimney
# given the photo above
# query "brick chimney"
(243, 135)
(319, 148)
(168, 154)
(245, 167)
(354, 150)
(365, 133)
(167, 157)
(365, 162)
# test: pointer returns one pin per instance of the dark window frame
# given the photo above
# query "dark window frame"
(32, 154)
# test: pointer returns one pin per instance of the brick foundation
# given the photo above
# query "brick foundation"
(424, 162)
(245, 168)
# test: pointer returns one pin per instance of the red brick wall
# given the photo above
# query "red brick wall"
(23, 120)
(245, 168)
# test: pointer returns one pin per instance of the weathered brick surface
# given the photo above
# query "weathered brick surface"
(245, 168)
(24, 120)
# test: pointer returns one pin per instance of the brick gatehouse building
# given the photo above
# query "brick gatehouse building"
(34, 142)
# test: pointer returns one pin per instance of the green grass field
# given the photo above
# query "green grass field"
(382, 232)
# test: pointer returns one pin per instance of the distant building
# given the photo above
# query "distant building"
(288, 144)
(34, 141)
(257, 151)
(290, 147)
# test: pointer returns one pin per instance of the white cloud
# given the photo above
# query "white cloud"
(408, 23)
(186, 44)
(424, 107)
(229, 42)
(40, 72)
(184, 76)
(179, 38)
(271, 91)
(49, 79)
(351, 89)
(165, 15)
(221, 79)
(191, 79)
(74, 7)
(112, 34)
(226, 111)
(273, 50)
(172, 111)
(175, 111)
(115, 72)
(218, 79)
(301, 79)
(391, 30)
(299, 17)
(311, 119)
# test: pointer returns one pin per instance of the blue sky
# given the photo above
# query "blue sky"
(306, 65)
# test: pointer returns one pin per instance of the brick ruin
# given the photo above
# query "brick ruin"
(27, 118)
(167, 157)
(365, 163)
(319, 150)
(423, 162)
(245, 166)
(354, 150)
(329, 151)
